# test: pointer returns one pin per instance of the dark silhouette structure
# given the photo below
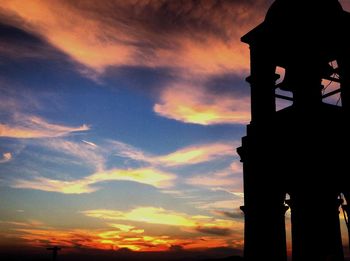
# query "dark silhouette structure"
(54, 250)
(301, 150)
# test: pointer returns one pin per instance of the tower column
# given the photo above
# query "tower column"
(316, 231)
(262, 83)
(264, 208)
(344, 67)
(265, 236)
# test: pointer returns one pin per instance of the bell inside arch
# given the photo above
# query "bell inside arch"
(293, 74)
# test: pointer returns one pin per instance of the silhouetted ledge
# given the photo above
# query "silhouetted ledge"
(231, 258)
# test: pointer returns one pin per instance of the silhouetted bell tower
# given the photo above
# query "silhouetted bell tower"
(300, 150)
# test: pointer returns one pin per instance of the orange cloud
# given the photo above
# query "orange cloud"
(110, 239)
(218, 229)
(7, 156)
(144, 214)
(160, 216)
(186, 38)
(149, 33)
(127, 228)
(197, 154)
(196, 105)
(77, 35)
(147, 176)
(117, 236)
(236, 167)
(26, 127)
(38, 234)
(64, 238)
(206, 242)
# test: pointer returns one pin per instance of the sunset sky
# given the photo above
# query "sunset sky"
(119, 122)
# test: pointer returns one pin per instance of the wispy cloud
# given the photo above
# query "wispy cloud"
(87, 153)
(20, 107)
(54, 185)
(227, 180)
(29, 126)
(89, 143)
(127, 151)
(7, 156)
(148, 176)
(194, 104)
(190, 155)
(210, 181)
(198, 154)
(27, 223)
(233, 192)
(238, 214)
(221, 204)
(219, 231)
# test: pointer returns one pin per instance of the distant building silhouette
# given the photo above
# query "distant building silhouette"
(300, 150)
(54, 250)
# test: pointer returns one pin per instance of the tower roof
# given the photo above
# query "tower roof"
(298, 26)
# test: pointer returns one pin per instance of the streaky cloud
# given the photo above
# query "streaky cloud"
(89, 143)
(193, 154)
(220, 204)
(29, 127)
(151, 173)
(197, 154)
(87, 153)
(89, 183)
(231, 214)
(227, 180)
(215, 231)
(200, 36)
